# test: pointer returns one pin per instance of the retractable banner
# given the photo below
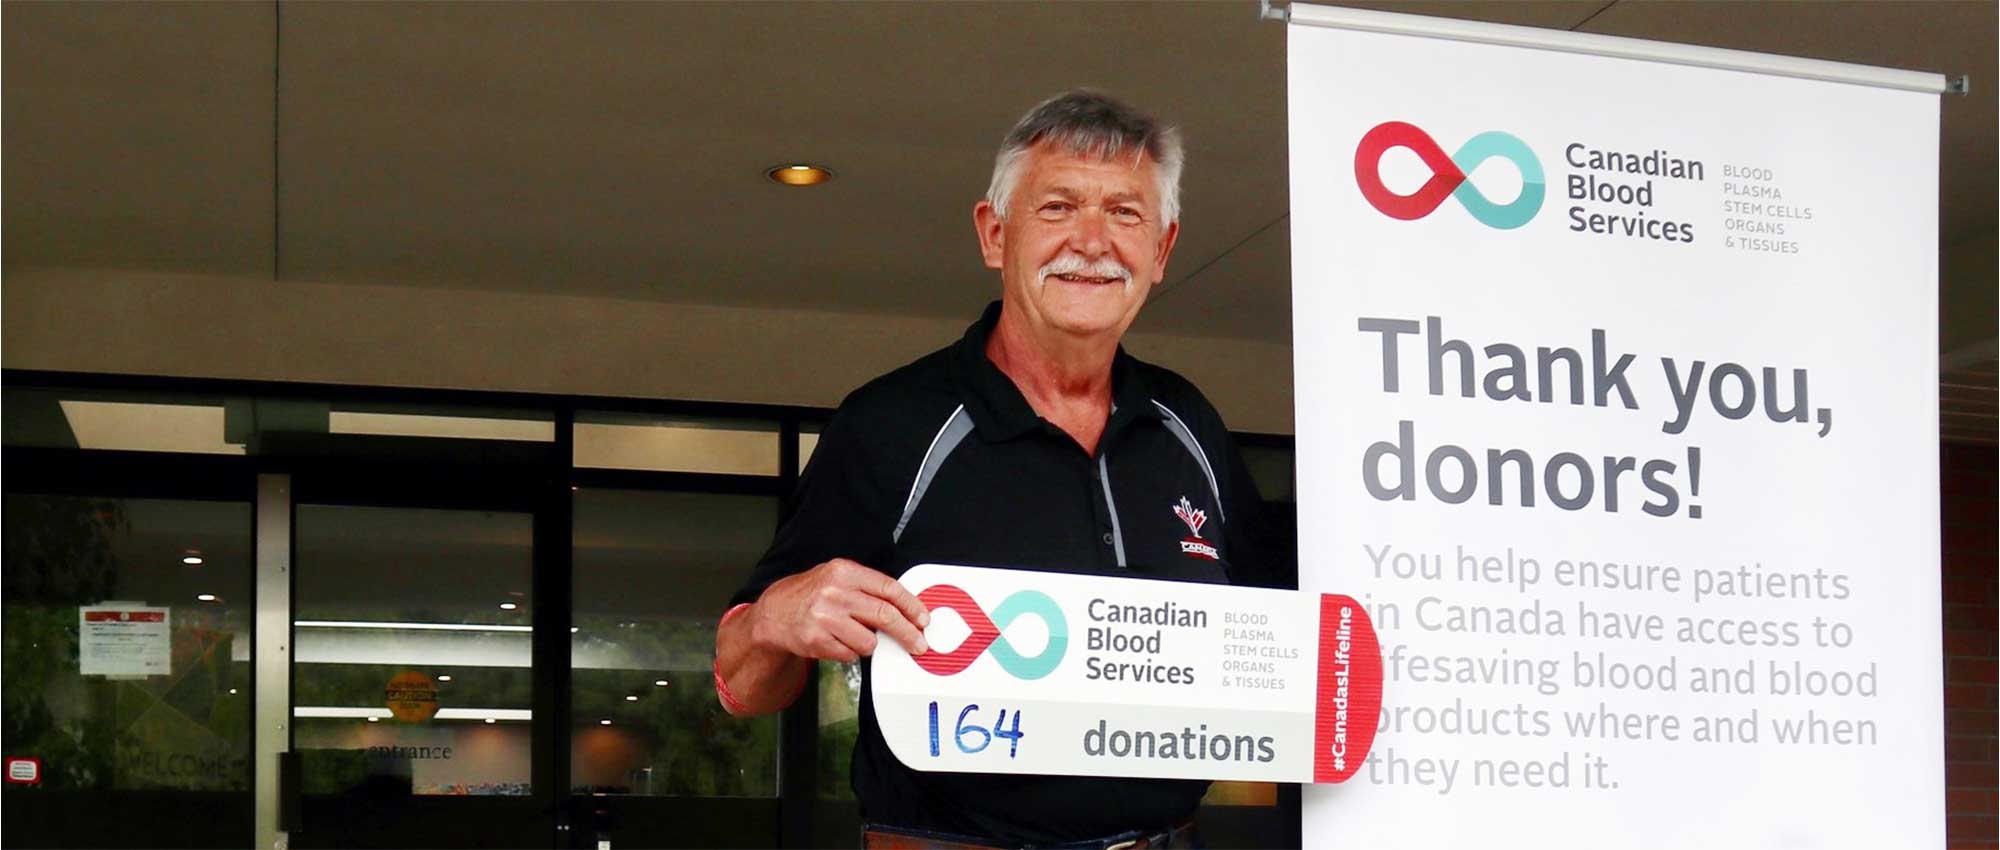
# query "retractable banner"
(1617, 411)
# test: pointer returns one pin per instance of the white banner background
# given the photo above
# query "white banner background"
(1855, 306)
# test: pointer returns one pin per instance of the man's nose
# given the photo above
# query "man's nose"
(1090, 235)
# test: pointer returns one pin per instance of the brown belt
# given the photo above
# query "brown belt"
(878, 837)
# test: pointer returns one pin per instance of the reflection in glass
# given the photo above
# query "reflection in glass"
(653, 575)
(186, 423)
(1272, 469)
(413, 629)
(185, 730)
(808, 440)
(148, 422)
(839, 726)
(664, 444)
(408, 421)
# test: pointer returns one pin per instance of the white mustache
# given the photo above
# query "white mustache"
(1075, 264)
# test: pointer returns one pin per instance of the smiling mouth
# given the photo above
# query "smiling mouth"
(1078, 278)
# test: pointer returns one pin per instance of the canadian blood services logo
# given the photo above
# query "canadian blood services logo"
(986, 633)
(1448, 175)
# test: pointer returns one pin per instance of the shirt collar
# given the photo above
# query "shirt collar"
(1000, 412)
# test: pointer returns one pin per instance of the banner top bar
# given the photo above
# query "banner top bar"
(1393, 23)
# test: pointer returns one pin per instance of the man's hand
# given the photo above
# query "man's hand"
(832, 612)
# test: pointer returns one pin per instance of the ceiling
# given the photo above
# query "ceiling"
(617, 149)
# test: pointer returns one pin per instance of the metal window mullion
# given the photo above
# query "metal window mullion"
(798, 724)
(551, 694)
(271, 679)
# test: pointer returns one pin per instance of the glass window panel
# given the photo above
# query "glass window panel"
(1241, 794)
(133, 426)
(1272, 469)
(808, 440)
(167, 422)
(653, 574)
(497, 425)
(728, 447)
(145, 422)
(839, 726)
(183, 729)
(413, 631)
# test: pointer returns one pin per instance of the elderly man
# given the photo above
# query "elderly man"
(1036, 443)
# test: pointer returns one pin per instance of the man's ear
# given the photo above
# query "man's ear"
(1166, 249)
(992, 244)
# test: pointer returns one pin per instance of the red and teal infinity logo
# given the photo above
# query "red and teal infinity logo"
(1448, 175)
(986, 633)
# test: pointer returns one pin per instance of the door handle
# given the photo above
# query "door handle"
(291, 793)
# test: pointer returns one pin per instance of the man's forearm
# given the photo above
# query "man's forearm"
(752, 678)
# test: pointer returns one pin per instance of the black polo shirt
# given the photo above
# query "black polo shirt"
(944, 461)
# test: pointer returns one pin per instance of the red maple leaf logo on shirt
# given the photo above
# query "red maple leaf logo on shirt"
(1193, 516)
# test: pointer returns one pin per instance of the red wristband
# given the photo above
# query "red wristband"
(729, 700)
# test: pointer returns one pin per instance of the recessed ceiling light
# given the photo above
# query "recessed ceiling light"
(232, 690)
(661, 682)
(799, 174)
(205, 597)
(604, 722)
(491, 720)
(508, 606)
(192, 560)
(574, 629)
(631, 697)
(445, 677)
(374, 719)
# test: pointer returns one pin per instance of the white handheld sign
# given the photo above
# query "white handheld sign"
(1056, 673)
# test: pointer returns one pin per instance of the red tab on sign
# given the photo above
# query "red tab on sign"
(124, 616)
(1350, 689)
(24, 771)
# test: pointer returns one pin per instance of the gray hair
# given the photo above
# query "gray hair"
(1089, 123)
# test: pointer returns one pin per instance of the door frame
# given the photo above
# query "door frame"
(436, 473)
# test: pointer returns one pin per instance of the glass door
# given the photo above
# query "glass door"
(414, 681)
(669, 513)
(654, 760)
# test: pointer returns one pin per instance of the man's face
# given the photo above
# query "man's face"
(1083, 243)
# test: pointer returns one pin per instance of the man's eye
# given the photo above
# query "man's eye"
(1126, 213)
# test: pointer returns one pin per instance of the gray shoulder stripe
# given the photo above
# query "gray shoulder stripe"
(1181, 431)
(1111, 507)
(954, 429)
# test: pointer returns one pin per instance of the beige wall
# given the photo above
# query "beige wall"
(246, 328)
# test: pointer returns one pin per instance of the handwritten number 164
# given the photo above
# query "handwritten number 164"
(984, 735)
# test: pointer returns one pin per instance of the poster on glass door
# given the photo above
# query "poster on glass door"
(124, 639)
